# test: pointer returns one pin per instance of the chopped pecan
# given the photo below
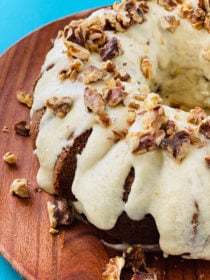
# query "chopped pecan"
(113, 269)
(22, 128)
(59, 106)
(111, 49)
(159, 117)
(119, 134)
(94, 101)
(95, 36)
(204, 5)
(121, 74)
(134, 258)
(25, 98)
(207, 22)
(115, 96)
(152, 100)
(103, 119)
(10, 158)
(204, 128)
(169, 5)
(60, 213)
(207, 159)
(146, 66)
(76, 51)
(20, 188)
(131, 117)
(196, 115)
(197, 17)
(109, 66)
(123, 18)
(177, 144)
(144, 276)
(72, 70)
(74, 32)
(93, 74)
(185, 9)
(141, 142)
(169, 127)
(134, 105)
(169, 23)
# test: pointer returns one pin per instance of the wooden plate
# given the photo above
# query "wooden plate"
(75, 253)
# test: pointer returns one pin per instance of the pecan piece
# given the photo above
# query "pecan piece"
(197, 17)
(76, 51)
(115, 96)
(10, 158)
(93, 74)
(196, 115)
(22, 128)
(141, 142)
(207, 159)
(204, 128)
(169, 5)
(207, 23)
(169, 127)
(109, 66)
(119, 134)
(169, 23)
(113, 269)
(146, 66)
(122, 75)
(60, 213)
(20, 188)
(134, 258)
(177, 145)
(94, 101)
(103, 119)
(72, 71)
(59, 106)
(111, 49)
(25, 98)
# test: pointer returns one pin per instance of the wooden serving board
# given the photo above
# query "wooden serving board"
(75, 253)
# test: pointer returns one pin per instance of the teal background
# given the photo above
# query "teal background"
(19, 18)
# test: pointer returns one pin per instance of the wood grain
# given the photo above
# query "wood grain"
(75, 253)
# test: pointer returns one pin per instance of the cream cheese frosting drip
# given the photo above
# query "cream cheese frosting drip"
(163, 53)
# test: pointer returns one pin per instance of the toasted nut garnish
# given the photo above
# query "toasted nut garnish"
(196, 115)
(103, 119)
(204, 128)
(177, 145)
(134, 105)
(116, 96)
(20, 188)
(111, 49)
(121, 74)
(152, 100)
(22, 128)
(169, 5)
(10, 158)
(76, 51)
(93, 74)
(146, 67)
(207, 23)
(119, 134)
(25, 98)
(60, 213)
(109, 66)
(59, 106)
(134, 258)
(72, 70)
(5, 129)
(113, 269)
(169, 23)
(94, 101)
(169, 127)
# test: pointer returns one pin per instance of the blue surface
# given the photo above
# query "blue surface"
(19, 18)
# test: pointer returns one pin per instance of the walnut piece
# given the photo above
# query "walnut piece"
(72, 70)
(204, 128)
(22, 128)
(103, 119)
(94, 101)
(93, 74)
(115, 96)
(169, 5)
(111, 49)
(10, 158)
(25, 98)
(59, 106)
(177, 145)
(146, 66)
(20, 188)
(76, 51)
(119, 134)
(113, 269)
(60, 213)
(152, 100)
(196, 115)
(169, 23)
(169, 127)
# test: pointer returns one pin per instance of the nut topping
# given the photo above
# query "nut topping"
(93, 74)
(134, 258)
(146, 67)
(111, 49)
(169, 23)
(113, 269)
(10, 158)
(205, 128)
(72, 71)
(115, 96)
(76, 51)
(94, 101)
(196, 115)
(20, 188)
(22, 128)
(207, 159)
(25, 98)
(169, 5)
(59, 106)
(119, 134)
(177, 145)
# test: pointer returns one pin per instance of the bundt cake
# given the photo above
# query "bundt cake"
(120, 122)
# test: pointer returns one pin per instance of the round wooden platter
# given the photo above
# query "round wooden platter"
(75, 253)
